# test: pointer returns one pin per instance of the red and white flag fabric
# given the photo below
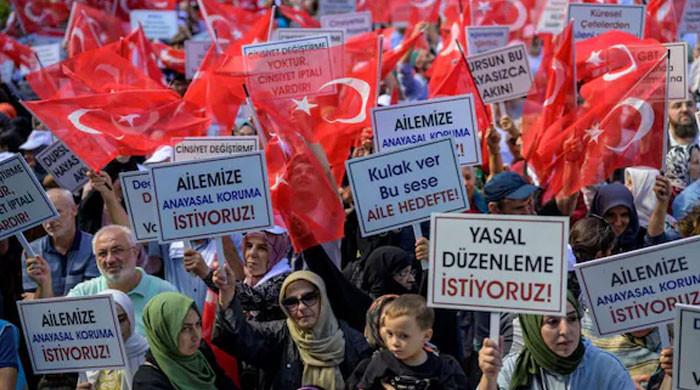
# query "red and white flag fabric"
(136, 48)
(516, 14)
(170, 57)
(662, 19)
(227, 23)
(17, 52)
(100, 127)
(89, 28)
(44, 17)
(122, 8)
(379, 9)
(300, 17)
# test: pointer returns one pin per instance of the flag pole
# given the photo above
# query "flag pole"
(210, 27)
(272, 23)
(256, 120)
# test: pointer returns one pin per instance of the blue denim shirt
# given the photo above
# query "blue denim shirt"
(66, 271)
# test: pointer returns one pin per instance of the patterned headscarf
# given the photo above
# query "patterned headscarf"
(678, 165)
(278, 246)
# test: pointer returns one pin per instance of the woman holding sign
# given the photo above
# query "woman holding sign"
(555, 356)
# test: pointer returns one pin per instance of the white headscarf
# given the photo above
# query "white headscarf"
(640, 181)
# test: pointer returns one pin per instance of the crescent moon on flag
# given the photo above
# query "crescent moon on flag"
(663, 11)
(31, 16)
(422, 3)
(454, 32)
(78, 33)
(522, 15)
(616, 75)
(647, 122)
(559, 77)
(74, 118)
(362, 87)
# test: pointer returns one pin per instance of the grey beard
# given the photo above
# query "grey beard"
(686, 131)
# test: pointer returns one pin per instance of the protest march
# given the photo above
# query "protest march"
(350, 194)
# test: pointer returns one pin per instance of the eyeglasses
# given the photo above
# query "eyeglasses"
(309, 299)
(406, 273)
(116, 252)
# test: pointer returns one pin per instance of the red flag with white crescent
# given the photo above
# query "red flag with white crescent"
(44, 17)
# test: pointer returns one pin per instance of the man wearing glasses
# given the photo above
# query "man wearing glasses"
(116, 253)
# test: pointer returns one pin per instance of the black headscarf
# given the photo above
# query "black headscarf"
(382, 264)
(613, 195)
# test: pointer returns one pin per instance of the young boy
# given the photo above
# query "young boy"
(406, 326)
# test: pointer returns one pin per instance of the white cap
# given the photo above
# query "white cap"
(384, 100)
(163, 153)
(5, 155)
(36, 139)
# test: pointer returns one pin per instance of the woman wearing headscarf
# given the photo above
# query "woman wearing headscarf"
(134, 344)
(389, 270)
(615, 203)
(310, 347)
(555, 356)
(177, 359)
(683, 166)
(640, 181)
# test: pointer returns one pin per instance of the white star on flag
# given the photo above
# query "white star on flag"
(128, 118)
(594, 59)
(594, 132)
(304, 105)
(484, 6)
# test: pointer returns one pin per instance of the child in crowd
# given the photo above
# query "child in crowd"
(406, 363)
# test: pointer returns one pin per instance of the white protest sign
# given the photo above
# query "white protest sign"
(402, 187)
(289, 68)
(138, 196)
(678, 60)
(484, 38)
(194, 148)
(329, 7)
(591, 20)
(498, 263)
(638, 290)
(553, 17)
(690, 21)
(65, 167)
(415, 123)
(195, 51)
(212, 197)
(23, 201)
(48, 54)
(157, 24)
(72, 334)
(501, 74)
(353, 23)
(337, 34)
(686, 354)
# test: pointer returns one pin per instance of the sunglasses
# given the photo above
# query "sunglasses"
(309, 299)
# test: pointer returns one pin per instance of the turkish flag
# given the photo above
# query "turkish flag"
(136, 48)
(95, 71)
(107, 6)
(19, 53)
(392, 57)
(614, 133)
(90, 28)
(542, 110)
(124, 7)
(41, 16)
(228, 23)
(516, 14)
(172, 58)
(300, 17)
(379, 9)
(662, 19)
(100, 127)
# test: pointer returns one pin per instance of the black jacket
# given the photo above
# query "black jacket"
(270, 347)
(150, 376)
(438, 372)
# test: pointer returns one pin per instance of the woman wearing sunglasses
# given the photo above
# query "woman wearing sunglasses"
(310, 347)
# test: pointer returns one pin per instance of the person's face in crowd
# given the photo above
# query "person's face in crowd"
(694, 165)
(406, 277)
(124, 323)
(302, 176)
(191, 334)
(618, 217)
(404, 338)
(303, 302)
(562, 334)
(29, 158)
(246, 130)
(67, 210)
(681, 114)
(469, 180)
(116, 258)
(515, 207)
(515, 147)
(256, 255)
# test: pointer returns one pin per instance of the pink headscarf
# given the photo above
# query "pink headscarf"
(278, 246)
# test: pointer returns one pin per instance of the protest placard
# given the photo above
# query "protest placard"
(23, 202)
(72, 334)
(690, 21)
(498, 263)
(501, 74)
(337, 34)
(678, 62)
(329, 7)
(484, 38)
(416, 123)
(282, 70)
(157, 24)
(65, 167)
(138, 196)
(353, 23)
(638, 290)
(194, 54)
(686, 354)
(48, 54)
(402, 187)
(194, 148)
(591, 20)
(553, 17)
(212, 197)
